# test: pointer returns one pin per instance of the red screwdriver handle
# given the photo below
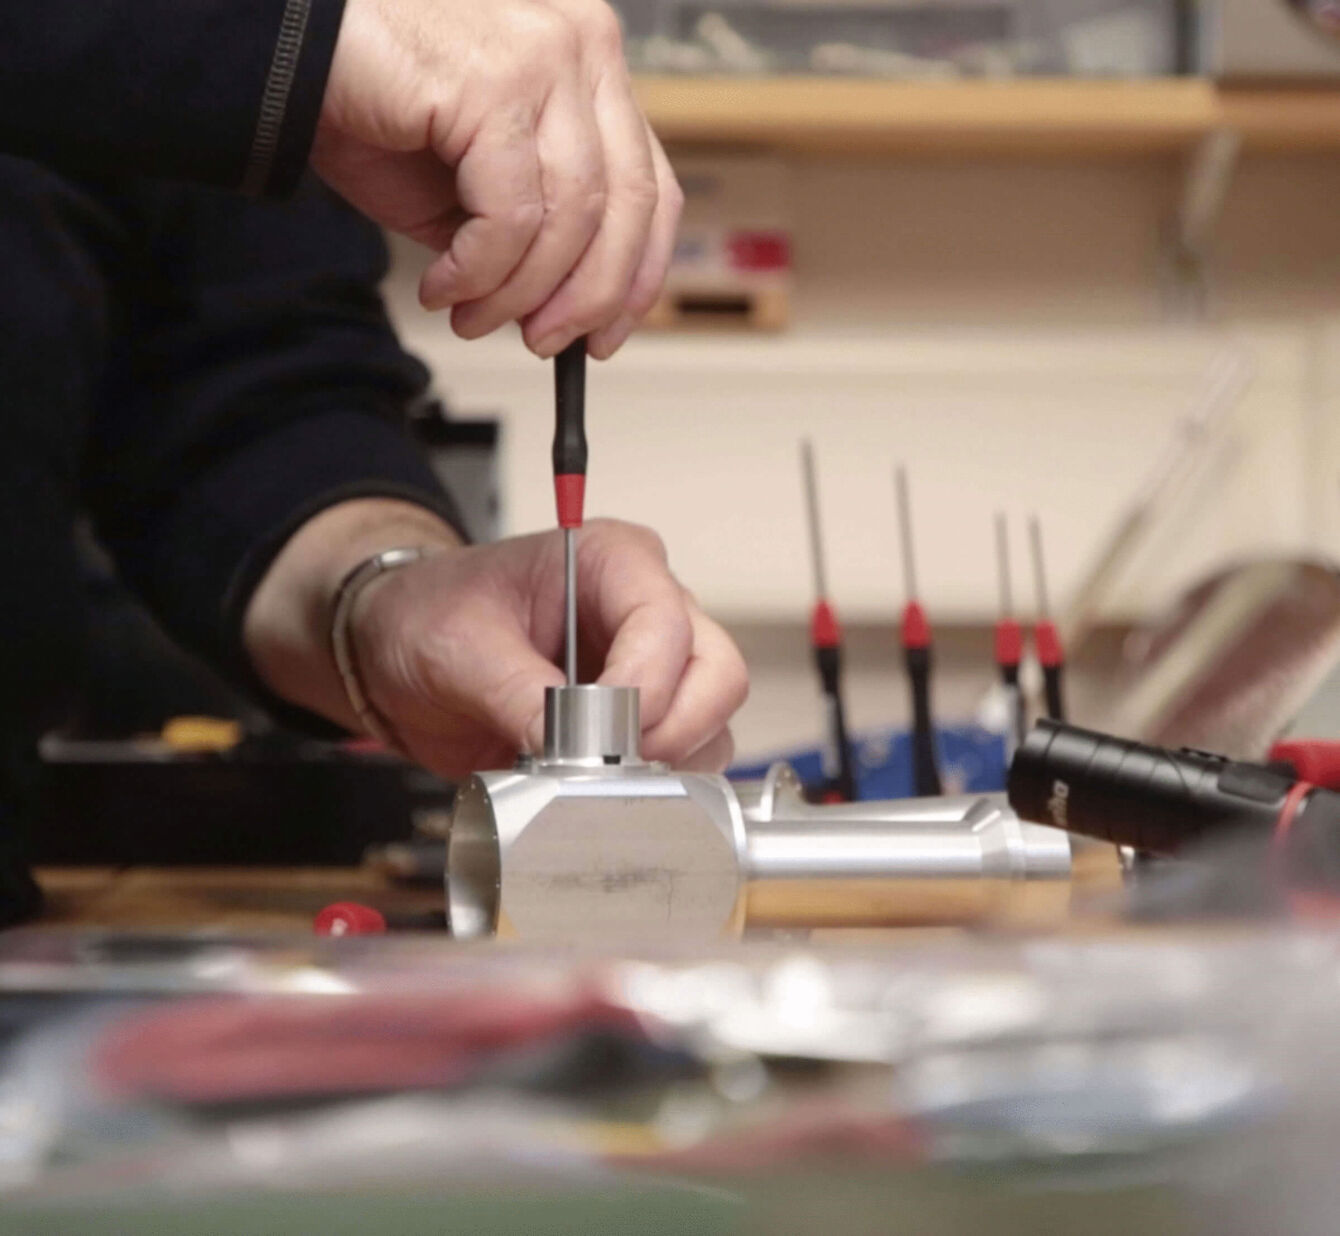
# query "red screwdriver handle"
(570, 433)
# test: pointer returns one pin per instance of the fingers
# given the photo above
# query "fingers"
(487, 664)
(714, 756)
(650, 276)
(595, 294)
(692, 731)
(572, 177)
(499, 186)
(638, 609)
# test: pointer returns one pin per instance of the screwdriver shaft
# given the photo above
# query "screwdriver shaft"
(1003, 566)
(816, 526)
(905, 533)
(1039, 570)
(570, 604)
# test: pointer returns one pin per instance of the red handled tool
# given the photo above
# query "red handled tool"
(353, 918)
(570, 480)
(826, 640)
(1046, 640)
(916, 639)
(1009, 639)
(1315, 760)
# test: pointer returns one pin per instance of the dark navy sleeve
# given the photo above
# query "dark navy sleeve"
(217, 92)
(260, 382)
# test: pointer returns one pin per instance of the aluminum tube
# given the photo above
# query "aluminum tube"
(885, 864)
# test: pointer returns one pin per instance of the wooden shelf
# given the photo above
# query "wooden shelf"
(1026, 118)
(1301, 121)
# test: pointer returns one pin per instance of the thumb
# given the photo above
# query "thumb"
(490, 669)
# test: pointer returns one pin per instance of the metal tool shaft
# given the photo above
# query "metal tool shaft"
(570, 604)
(1039, 568)
(816, 526)
(905, 533)
(1003, 566)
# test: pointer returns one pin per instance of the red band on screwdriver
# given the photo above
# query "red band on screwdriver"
(1048, 644)
(825, 632)
(570, 496)
(1009, 642)
(916, 630)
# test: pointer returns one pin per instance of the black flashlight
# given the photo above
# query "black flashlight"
(1165, 802)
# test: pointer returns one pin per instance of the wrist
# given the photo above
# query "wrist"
(287, 627)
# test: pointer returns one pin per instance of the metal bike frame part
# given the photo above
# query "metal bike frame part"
(591, 844)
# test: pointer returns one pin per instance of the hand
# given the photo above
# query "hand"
(456, 650)
(504, 134)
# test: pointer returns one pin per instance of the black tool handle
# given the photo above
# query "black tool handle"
(925, 771)
(570, 403)
(1141, 796)
(839, 782)
(1055, 692)
(1009, 675)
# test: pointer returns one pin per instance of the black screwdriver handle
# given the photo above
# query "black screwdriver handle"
(925, 771)
(570, 401)
(1054, 691)
(1051, 657)
(839, 782)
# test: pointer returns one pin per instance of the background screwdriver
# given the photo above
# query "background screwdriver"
(916, 637)
(826, 640)
(1051, 656)
(570, 480)
(1009, 640)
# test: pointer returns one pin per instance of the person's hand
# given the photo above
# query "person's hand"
(456, 650)
(504, 134)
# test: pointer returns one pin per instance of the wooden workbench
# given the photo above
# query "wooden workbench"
(288, 898)
(223, 898)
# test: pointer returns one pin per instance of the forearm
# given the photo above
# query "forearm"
(287, 625)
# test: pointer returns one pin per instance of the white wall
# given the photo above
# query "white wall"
(997, 327)
(1001, 329)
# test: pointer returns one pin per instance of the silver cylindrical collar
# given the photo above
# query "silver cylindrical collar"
(591, 725)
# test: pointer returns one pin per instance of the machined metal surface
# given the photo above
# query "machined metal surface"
(578, 849)
(591, 725)
(570, 605)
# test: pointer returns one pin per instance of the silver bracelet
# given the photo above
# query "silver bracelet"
(341, 642)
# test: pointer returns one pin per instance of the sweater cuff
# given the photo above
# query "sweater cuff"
(294, 92)
(228, 526)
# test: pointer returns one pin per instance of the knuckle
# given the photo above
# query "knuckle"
(642, 192)
(585, 202)
(649, 541)
(672, 197)
(603, 30)
(522, 219)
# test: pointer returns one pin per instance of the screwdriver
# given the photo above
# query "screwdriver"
(826, 640)
(570, 480)
(1009, 639)
(1051, 656)
(916, 638)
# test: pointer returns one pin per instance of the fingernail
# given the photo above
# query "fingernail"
(436, 291)
(550, 346)
(614, 336)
